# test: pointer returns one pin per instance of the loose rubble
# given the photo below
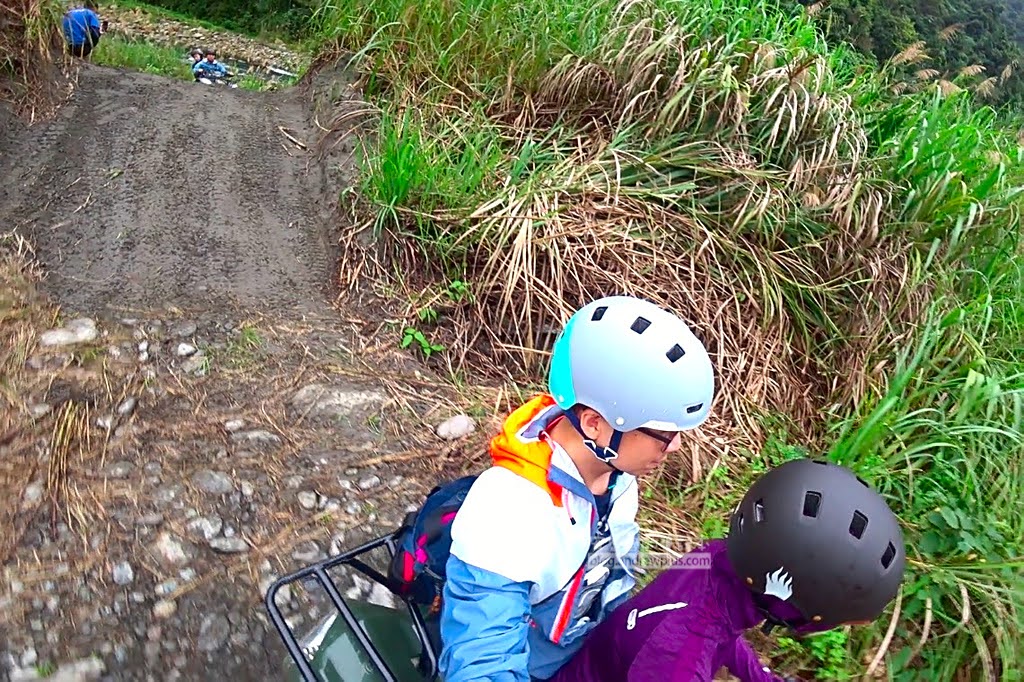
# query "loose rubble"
(123, 573)
(81, 330)
(456, 427)
(192, 495)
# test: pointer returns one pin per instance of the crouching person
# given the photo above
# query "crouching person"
(810, 548)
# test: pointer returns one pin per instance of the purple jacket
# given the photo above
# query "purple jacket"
(683, 627)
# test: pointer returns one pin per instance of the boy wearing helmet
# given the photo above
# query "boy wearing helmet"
(543, 545)
(209, 67)
(810, 548)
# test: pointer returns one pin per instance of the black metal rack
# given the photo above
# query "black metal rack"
(428, 664)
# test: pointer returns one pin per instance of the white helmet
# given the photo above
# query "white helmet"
(635, 363)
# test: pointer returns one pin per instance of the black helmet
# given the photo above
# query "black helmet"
(816, 536)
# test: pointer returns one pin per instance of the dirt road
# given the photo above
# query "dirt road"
(147, 191)
(215, 422)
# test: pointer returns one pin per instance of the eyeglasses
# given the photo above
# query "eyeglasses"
(661, 436)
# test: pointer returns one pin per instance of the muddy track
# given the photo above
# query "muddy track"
(148, 192)
(188, 206)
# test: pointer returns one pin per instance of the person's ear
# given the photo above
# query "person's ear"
(592, 423)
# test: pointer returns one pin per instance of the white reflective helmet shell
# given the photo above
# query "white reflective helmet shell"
(635, 363)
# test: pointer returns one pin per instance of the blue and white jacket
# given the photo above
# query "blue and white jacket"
(510, 608)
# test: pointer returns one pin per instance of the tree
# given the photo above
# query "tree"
(972, 43)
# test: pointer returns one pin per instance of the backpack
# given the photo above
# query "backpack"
(423, 544)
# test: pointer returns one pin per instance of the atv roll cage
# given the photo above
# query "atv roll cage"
(305, 659)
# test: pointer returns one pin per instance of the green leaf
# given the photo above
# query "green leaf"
(937, 520)
(950, 517)
(931, 543)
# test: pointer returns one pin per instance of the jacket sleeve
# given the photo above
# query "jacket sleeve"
(744, 663)
(484, 626)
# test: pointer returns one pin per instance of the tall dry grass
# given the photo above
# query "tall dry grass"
(31, 58)
(843, 244)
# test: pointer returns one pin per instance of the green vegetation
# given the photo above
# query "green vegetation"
(164, 13)
(161, 60)
(278, 18)
(844, 237)
(1015, 15)
(115, 51)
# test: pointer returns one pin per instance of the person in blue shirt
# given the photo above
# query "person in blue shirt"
(209, 66)
(82, 29)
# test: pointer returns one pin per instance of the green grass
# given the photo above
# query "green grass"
(118, 52)
(141, 56)
(856, 248)
(252, 82)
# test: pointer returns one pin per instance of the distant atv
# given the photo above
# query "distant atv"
(212, 79)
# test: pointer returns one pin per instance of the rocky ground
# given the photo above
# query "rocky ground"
(178, 465)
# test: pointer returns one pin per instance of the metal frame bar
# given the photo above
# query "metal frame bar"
(319, 572)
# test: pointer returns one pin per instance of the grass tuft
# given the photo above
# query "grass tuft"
(146, 57)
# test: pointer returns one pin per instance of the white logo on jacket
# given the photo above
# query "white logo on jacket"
(634, 614)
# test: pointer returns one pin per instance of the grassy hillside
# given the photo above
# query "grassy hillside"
(844, 239)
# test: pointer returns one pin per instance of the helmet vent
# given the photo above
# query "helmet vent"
(675, 352)
(640, 325)
(694, 408)
(857, 525)
(599, 313)
(812, 501)
(888, 556)
(759, 511)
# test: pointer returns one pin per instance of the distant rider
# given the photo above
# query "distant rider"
(209, 67)
(82, 29)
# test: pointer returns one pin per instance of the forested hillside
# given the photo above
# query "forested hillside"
(959, 37)
(289, 17)
(1016, 18)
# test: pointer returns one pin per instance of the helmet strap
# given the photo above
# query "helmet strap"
(772, 621)
(607, 454)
